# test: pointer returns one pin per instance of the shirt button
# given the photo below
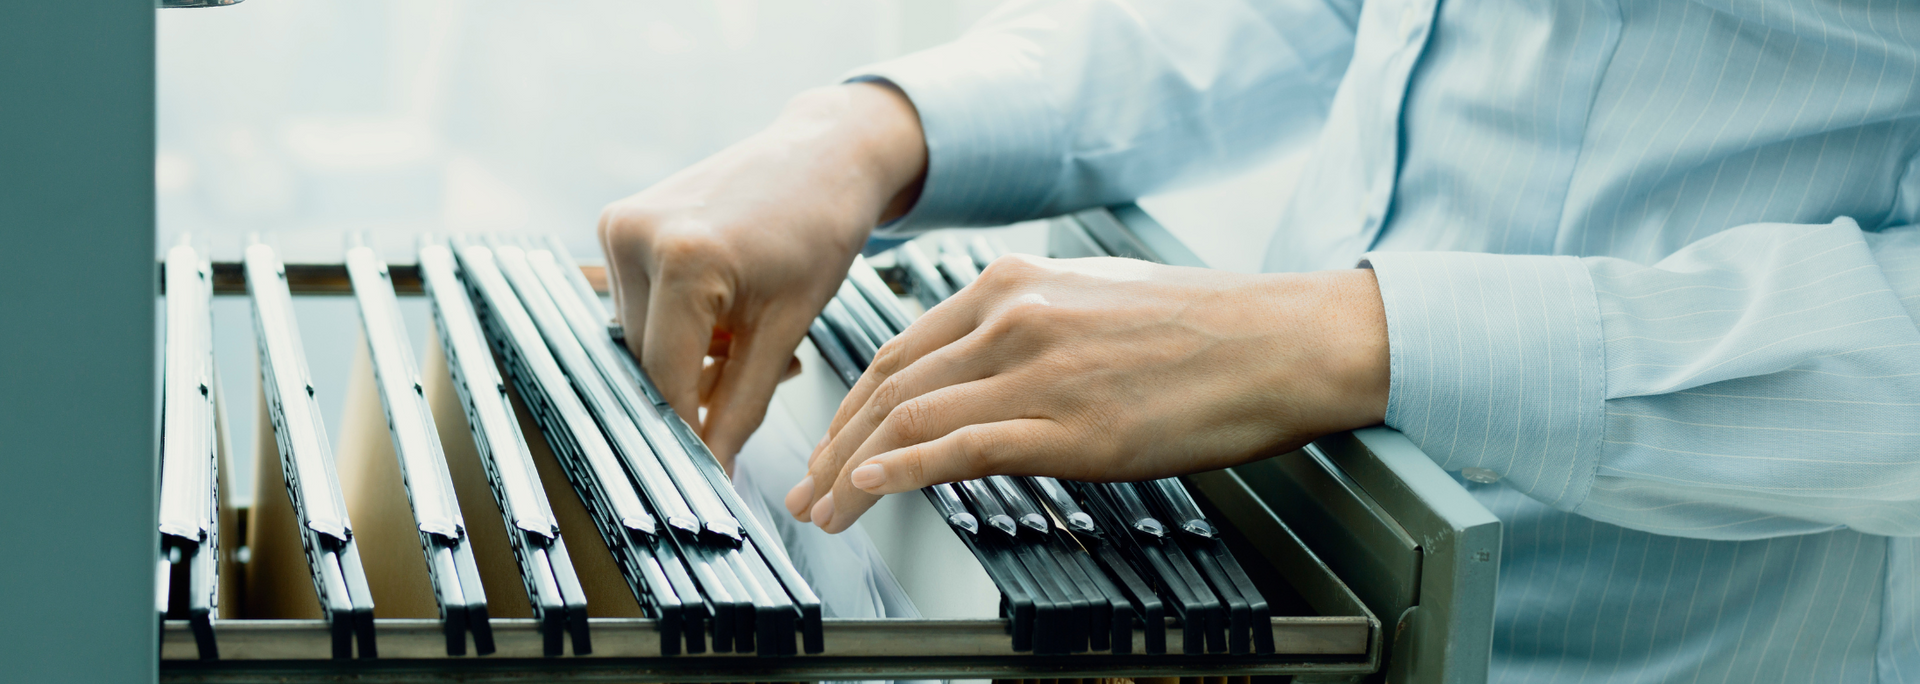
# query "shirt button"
(1480, 475)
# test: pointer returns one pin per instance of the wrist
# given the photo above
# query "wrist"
(1358, 323)
(876, 131)
(1349, 353)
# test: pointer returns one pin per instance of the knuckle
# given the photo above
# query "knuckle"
(1011, 267)
(998, 329)
(828, 467)
(1027, 311)
(887, 395)
(889, 359)
(912, 421)
(972, 449)
(623, 220)
(1022, 316)
(685, 247)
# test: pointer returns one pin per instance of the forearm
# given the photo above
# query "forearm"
(1050, 106)
(1763, 382)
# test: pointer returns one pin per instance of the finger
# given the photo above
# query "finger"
(952, 365)
(793, 369)
(716, 359)
(679, 326)
(921, 419)
(938, 327)
(629, 282)
(709, 372)
(753, 368)
(1020, 446)
(1024, 446)
(605, 235)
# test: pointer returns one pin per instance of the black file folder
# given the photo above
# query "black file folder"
(1073, 576)
(423, 464)
(633, 461)
(559, 603)
(306, 460)
(625, 524)
(189, 512)
(588, 323)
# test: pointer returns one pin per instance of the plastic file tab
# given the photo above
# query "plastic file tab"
(952, 509)
(987, 506)
(1179, 506)
(1132, 509)
(1061, 501)
(1019, 505)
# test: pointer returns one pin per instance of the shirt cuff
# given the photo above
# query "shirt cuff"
(1497, 366)
(991, 134)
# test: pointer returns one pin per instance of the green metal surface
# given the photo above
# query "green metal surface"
(1395, 528)
(1332, 515)
(1448, 635)
(78, 417)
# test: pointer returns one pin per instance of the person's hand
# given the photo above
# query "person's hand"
(1103, 370)
(731, 258)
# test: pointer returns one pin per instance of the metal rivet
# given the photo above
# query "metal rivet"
(1480, 475)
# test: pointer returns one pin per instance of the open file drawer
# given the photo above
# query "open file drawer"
(1326, 630)
(1356, 526)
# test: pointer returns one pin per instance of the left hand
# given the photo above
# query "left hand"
(1103, 370)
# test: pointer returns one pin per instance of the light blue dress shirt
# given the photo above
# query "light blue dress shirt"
(1653, 264)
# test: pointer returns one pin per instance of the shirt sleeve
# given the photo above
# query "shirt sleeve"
(1050, 106)
(1764, 381)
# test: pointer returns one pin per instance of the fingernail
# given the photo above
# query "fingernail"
(797, 498)
(869, 476)
(823, 511)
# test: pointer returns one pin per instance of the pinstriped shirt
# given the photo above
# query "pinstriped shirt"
(1650, 268)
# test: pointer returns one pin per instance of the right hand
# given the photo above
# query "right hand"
(733, 257)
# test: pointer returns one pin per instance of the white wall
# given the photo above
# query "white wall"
(305, 119)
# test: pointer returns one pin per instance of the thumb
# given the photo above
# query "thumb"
(680, 317)
(756, 363)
